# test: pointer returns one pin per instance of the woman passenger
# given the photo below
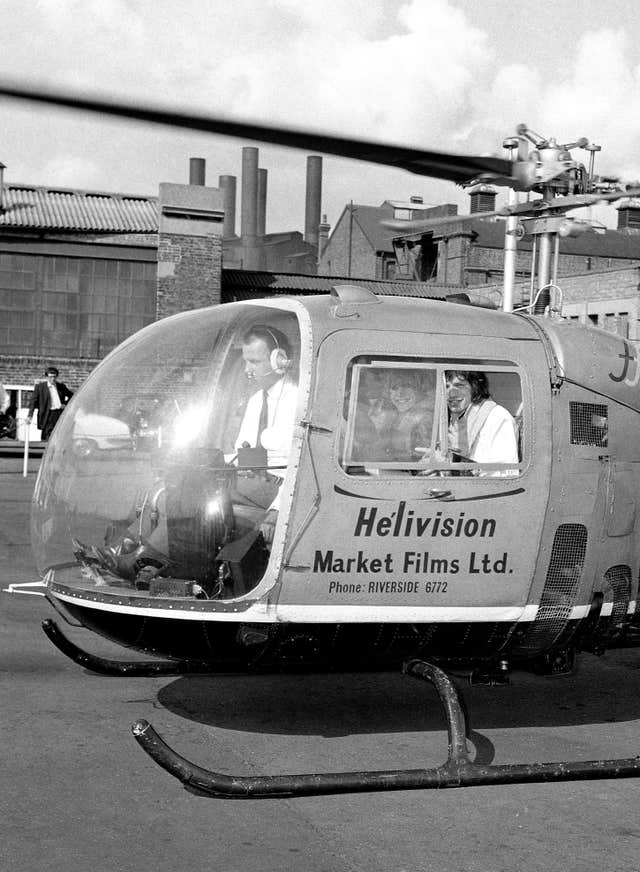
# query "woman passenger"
(413, 422)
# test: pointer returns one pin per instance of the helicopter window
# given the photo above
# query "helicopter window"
(589, 424)
(389, 411)
(420, 417)
(159, 479)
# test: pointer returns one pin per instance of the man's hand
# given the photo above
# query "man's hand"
(268, 525)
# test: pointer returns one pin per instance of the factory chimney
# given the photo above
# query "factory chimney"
(197, 170)
(227, 185)
(249, 208)
(313, 199)
(261, 217)
(323, 234)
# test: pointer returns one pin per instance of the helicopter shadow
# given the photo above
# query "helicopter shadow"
(342, 704)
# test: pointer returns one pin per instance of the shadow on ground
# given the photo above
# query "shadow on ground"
(601, 691)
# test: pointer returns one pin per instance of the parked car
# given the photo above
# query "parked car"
(95, 433)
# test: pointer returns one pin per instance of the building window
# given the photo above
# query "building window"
(622, 326)
(66, 306)
(617, 322)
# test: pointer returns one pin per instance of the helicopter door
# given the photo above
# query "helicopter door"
(401, 512)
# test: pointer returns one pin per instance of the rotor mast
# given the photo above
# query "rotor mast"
(511, 146)
(556, 176)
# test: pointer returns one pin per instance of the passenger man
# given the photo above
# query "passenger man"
(480, 430)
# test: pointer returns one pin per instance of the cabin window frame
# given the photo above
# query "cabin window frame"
(359, 467)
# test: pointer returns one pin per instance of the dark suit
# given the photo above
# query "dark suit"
(41, 400)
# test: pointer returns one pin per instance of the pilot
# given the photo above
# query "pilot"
(480, 430)
(268, 419)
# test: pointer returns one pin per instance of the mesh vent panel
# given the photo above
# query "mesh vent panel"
(561, 587)
(588, 423)
(619, 577)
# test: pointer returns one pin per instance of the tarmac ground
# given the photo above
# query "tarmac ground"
(78, 794)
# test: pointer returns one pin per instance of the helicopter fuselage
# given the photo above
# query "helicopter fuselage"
(383, 548)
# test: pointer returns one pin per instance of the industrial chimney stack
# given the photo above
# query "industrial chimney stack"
(197, 170)
(249, 208)
(313, 199)
(227, 185)
(261, 217)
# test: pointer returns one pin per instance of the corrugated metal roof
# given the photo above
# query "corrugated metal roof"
(240, 284)
(63, 209)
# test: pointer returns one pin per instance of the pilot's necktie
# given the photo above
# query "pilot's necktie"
(263, 421)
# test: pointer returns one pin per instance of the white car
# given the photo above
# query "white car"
(92, 433)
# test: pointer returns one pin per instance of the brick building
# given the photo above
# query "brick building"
(609, 299)
(360, 246)
(461, 253)
(598, 273)
(81, 270)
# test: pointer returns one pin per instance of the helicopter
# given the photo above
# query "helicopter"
(359, 556)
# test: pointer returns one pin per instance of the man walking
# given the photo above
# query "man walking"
(49, 398)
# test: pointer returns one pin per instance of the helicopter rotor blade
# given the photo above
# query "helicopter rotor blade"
(443, 165)
(417, 225)
(577, 201)
(530, 209)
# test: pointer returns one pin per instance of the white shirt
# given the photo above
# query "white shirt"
(486, 438)
(55, 396)
(282, 399)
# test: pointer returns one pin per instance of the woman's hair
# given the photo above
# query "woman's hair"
(406, 377)
(478, 382)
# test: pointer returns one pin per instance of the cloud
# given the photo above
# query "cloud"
(406, 71)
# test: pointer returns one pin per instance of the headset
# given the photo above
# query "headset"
(278, 358)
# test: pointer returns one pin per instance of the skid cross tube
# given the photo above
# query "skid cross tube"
(458, 771)
(106, 666)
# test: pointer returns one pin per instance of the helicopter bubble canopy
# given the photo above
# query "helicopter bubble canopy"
(168, 471)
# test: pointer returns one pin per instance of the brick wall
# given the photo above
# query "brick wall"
(349, 245)
(22, 370)
(189, 248)
(189, 273)
(453, 253)
(608, 299)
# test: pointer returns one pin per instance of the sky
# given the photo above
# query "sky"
(449, 75)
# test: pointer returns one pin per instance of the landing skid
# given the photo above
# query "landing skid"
(105, 666)
(458, 771)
